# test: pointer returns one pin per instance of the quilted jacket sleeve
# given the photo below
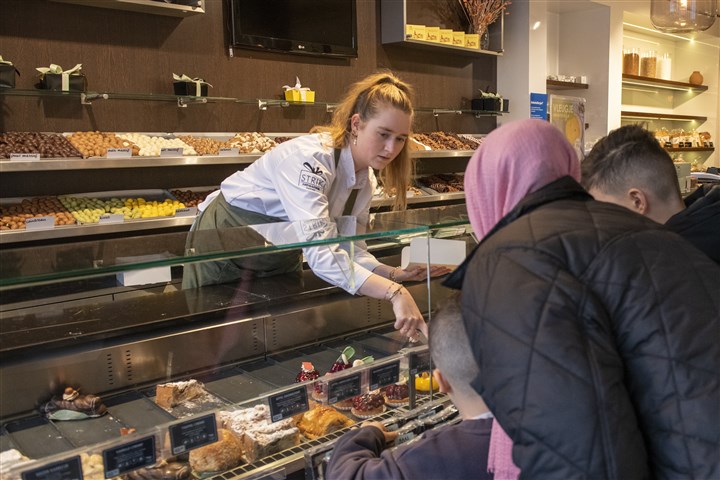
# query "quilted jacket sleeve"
(549, 370)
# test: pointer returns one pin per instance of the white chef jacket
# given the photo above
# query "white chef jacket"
(297, 180)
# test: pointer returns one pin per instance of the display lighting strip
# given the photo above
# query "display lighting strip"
(664, 87)
(656, 32)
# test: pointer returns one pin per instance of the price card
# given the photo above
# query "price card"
(343, 388)
(193, 434)
(228, 152)
(128, 457)
(119, 153)
(171, 152)
(186, 212)
(25, 157)
(288, 403)
(68, 469)
(112, 218)
(40, 223)
(420, 362)
(384, 375)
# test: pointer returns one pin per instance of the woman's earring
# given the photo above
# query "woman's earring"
(354, 135)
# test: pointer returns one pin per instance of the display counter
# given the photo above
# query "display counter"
(68, 321)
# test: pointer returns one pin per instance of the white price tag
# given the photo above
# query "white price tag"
(112, 218)
(119, 153)
(228, 152)
(25, 157)
(171, 152)
(186, 212)
(40, 223)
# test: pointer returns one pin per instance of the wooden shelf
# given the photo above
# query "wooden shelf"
(662, 116)
(423, 45)
(690, 149)
(662, 84)
(143, 6)
(558, 85)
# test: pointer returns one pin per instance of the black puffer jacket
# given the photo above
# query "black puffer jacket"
(597, 333)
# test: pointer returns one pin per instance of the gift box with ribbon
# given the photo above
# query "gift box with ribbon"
(55, 78)
(191, 87)
(7, 74)
(298, 93)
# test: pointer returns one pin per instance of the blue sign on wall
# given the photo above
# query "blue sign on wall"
(538, 105)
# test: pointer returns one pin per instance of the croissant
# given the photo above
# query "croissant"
(322, 420)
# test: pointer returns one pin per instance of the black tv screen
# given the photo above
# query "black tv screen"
(311, 27)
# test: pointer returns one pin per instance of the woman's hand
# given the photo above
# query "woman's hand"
(408, 319)
(418, 273)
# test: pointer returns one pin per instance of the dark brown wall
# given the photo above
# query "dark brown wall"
(134, 52)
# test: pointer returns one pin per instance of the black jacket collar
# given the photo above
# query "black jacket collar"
(561, 189)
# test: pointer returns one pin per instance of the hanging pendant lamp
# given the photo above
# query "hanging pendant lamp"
(681, 16)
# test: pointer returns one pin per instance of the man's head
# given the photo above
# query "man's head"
(451, 354)
(630, 168)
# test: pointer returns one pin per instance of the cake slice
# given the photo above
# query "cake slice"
(168, 395)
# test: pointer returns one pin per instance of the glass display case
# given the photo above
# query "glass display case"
(110, 318)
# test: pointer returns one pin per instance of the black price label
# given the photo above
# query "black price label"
(343, 388)
(288, 403)
(384, 375)
(420, 362)
(193, 434)
(128, 457)
(69, 469)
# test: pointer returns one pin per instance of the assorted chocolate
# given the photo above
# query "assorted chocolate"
(446, 141)
(48, 145)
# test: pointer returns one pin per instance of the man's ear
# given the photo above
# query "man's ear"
(442, 383)
(638, 200)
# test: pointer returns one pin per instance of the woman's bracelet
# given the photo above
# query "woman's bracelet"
(390, 295)
(393, 274)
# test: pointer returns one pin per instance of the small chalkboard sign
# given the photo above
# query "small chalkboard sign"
(384, 375)
(344, 388)
(193, 433)
(288, 403)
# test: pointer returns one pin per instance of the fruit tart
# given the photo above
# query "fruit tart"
(397, 395)
(368, 405)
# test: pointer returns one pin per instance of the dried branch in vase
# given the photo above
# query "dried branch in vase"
(451, 13)
(482, 13)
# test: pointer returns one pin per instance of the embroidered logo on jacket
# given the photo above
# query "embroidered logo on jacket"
(312, 178)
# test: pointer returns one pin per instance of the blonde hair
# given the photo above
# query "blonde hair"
(366, 98)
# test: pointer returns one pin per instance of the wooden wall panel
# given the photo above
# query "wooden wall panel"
(134, 52)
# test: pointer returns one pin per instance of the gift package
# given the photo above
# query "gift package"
(7, 74)
(55, 78)
(190, 87)
(298, 93)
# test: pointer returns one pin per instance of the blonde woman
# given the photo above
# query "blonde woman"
(326, 174)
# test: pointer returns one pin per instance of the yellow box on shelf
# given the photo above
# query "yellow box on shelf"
(432, 34)
(458, 39)
(446, 36)
(417, 32)
(472, 40)
(307, 96)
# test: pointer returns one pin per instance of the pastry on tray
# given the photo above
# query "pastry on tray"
(74, 406)
(222, 455)
(368, 405)
(307, 372)
(342, 363)
(397, 395)
(162, 470)
(424, 382)
(259, 436)
(321, 421)
(168, 395)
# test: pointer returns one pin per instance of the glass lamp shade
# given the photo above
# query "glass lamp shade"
(678, 16)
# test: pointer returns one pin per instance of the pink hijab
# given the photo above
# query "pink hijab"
(514, 160)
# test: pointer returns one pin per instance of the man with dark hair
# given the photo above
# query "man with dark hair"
(457, 451)
(628, 167)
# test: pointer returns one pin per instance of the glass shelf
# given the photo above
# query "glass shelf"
(558, 85)
(87, 98)
(110, 256)
(144, 6)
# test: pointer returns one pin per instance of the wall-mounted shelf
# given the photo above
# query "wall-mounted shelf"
(143, 6)
(662, 116)
(690, 149)
(394, 17)
(558, 85)
(637, 80)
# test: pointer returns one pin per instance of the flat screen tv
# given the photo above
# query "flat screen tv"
(309, 27)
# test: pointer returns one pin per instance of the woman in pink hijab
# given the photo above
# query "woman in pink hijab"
(592, 326)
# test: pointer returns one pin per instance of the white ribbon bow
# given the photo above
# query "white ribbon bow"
(197, 81)
(5, 62)
(299, 88)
